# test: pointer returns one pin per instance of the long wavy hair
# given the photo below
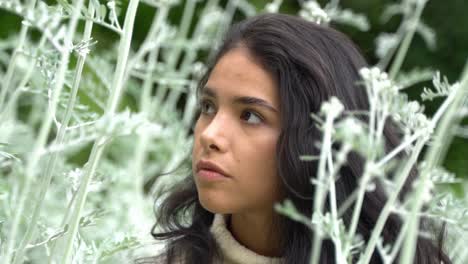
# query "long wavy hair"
(310, 63)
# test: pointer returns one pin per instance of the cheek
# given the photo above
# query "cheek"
(261, 153)
(196, 145)
(196, 136)
(259, 167)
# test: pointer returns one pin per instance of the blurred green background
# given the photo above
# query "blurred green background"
(449, 20)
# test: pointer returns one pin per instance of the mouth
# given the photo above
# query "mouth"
(212, 169)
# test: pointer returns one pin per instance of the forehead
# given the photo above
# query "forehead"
(237, 73)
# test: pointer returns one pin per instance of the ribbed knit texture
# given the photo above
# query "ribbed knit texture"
(232, 251)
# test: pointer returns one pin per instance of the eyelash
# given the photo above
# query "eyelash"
(201, 103)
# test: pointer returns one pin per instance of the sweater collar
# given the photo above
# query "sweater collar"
(233, 251)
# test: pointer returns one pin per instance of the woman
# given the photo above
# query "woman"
(269, 74)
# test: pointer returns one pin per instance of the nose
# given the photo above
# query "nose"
(214, 136)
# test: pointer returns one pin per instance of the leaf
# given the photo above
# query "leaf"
(101, 12)
(390, 11)
(288, 209)
(96, 4)
(349, 17)
(309, 157)
(442, 88)
(66, 6)
(8, 156)
(385, 42)
(127, 242)
(428, 35)
(413, 77)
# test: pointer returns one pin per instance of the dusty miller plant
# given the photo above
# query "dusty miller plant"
(387, 101)
(61, 99)
(58, 210)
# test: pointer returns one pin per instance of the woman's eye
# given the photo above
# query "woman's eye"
(205, 106)
(249, 115)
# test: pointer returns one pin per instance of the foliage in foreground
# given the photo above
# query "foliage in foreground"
(59, 102)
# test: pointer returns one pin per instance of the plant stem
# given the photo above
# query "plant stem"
(189, 58)
(34, 157)
(94, 158)
(370, 164)
(10, 106)
(99, 145)
(65, 220)
(413, 24)
(176, 52)
(12, 65)
(373, 114)
(230, 10)
(340, 255)
(386, 210)
(397, 245)
(320, 190)
(400, 148)
(187, 16)
(347, 203)
(400, 33)
(152, 36)
(124, 49)
(145, 108)
(52, 161)
(432, 159)
(360, 198)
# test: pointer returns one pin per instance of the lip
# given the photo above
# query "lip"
(211, 170)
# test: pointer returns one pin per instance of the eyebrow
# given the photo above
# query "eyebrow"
(246, 100)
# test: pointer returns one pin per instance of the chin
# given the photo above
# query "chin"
(214, 205)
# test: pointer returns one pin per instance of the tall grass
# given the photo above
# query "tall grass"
(81, 140)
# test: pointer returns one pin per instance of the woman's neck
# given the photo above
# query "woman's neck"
(255, 232)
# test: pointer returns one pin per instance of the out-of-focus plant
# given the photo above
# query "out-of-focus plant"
(387, 101)
(78, 163)
(60, 101)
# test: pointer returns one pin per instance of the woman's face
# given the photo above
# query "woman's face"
(237, 130)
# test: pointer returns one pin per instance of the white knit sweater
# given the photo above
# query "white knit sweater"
(232, 251)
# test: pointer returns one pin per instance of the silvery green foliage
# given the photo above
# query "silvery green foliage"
(312, 11)
(348, 17)
(441, 206)
(406, 8)
(414, 76)
(47, 19)
(387, 43)
(140, 144)
(353, 131)
(442, 88)
(150, 136)
(386, 101)
(273, 6)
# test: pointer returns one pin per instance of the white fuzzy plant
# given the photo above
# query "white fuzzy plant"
(53, 209)
(387, 101)
(57, 210)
